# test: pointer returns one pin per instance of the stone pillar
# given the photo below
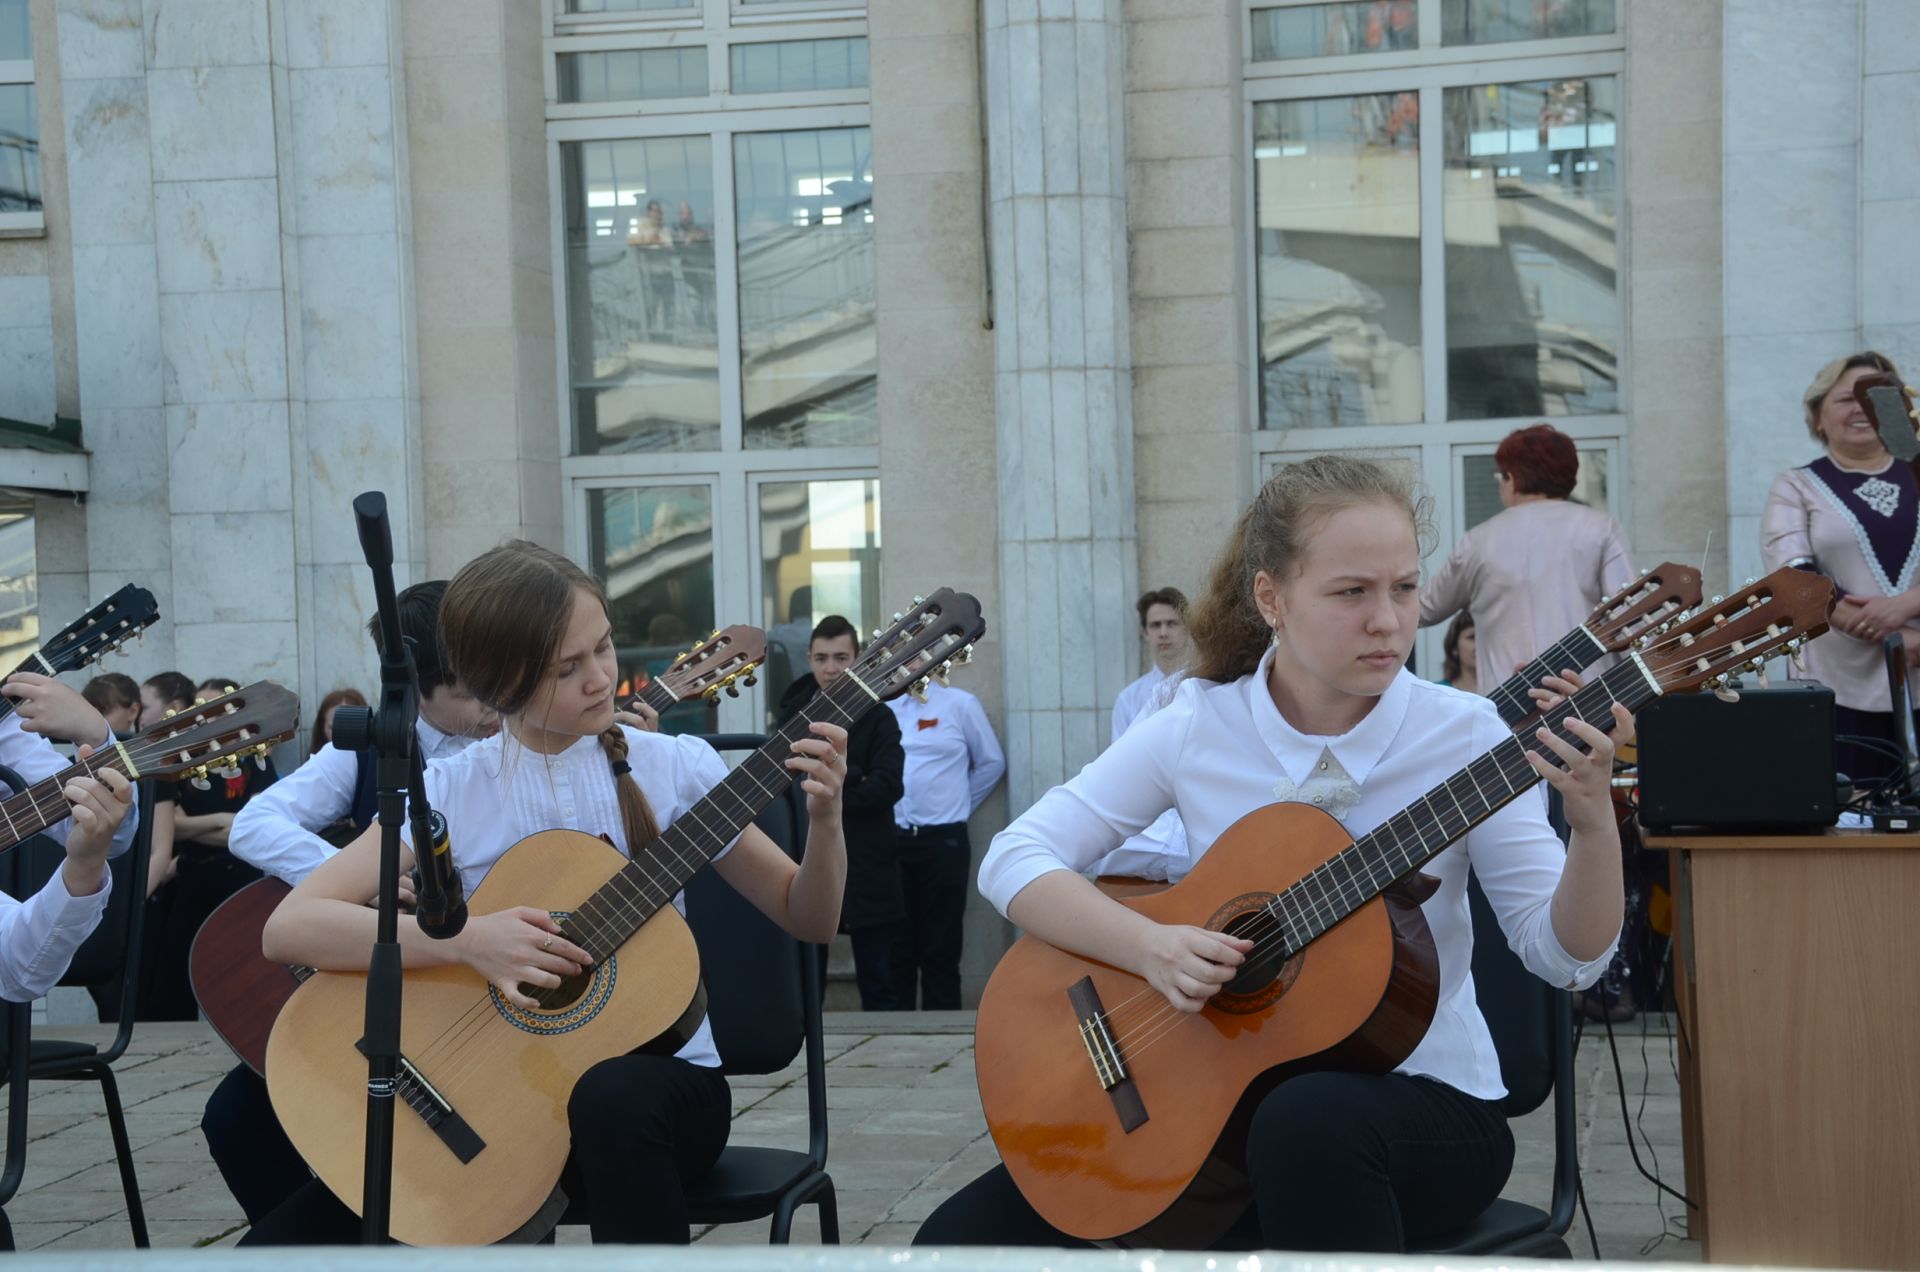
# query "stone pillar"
(1064, 423)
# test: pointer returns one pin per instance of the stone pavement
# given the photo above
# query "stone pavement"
(906, 1132)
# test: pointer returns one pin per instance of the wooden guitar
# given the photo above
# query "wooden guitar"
(1124, 1122)
(241, 991)
(91, 637)
(1639, 609)
(207, 737)
(487, 1083)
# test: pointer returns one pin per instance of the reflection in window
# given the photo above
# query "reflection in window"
(16, 33)
(651, 547)
(819, 555)
(641, 324)
(1498, 21)
(1337, 212)
(1531, 203)
(19, 579)
(626, 6)
(1482, 490)
(1331, 30)
(626, 75)
(19, 149)
(808, 353)
(799, 65)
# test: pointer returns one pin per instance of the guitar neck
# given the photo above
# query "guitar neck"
(657, 871)
(1578, 649)
(42, 804)
(1405, 842)
(656, 695)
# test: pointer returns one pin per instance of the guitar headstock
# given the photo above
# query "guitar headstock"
(1762, 619)
(1890, 405)
(716, 664)
(1645, 606)
(102, 629)
(243, 723)
(926, 641)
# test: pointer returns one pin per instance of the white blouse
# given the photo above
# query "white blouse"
(1219, 751)
(497, 792)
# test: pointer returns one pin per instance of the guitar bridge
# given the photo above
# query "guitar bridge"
(1104, 1051)
(434, 1109)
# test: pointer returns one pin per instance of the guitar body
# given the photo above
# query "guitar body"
(507, 1073)
(239, 989)
(1359, 998)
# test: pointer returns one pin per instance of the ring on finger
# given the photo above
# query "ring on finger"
(548, 943)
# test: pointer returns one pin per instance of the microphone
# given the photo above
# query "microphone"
(441, 905)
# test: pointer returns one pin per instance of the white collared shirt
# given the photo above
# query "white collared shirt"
(497, 792)
(1219, 751)
(35, 759)
(953, 759)
(1160, 850)
(275, 831)
(1136, 700)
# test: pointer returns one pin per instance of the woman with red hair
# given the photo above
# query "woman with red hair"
(1534, 571)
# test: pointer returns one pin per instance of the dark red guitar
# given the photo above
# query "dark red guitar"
(240, 992)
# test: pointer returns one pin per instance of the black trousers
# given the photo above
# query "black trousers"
(1338, 1161)
(260, 1164)
(936, 865)
(206, 876)
(642, 1125)
(873, 965)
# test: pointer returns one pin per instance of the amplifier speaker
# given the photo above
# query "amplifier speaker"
(1764, 761)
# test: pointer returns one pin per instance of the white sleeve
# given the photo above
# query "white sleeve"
(1519, 861)
(985, 761)
(1074, 825)
(35, 759)
(274, 832)
(38, 937)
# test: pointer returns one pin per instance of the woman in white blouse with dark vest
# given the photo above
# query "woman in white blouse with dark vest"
(528, 633)
(1299, 692)
(1853, 514)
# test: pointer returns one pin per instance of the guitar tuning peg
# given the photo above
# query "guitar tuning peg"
(919, 690)
(941, 675)
(731, 691)
(260, 759)
(921, 600)
(752, 680)
(878, 632)
(1716, 600)
(897, 616)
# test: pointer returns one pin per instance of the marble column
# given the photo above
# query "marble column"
(1063, 417)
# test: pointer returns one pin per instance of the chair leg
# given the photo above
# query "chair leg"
(123, 1152)
(782, 1230)
(829, 1212)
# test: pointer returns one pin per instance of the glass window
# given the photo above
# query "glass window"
(1328, 30)
(804, 226)
(651, 547)
(19, 575)
(641, 325)
(625, 75)
(1499, 21)
(819, 555)
(1531, 208)
(626, 6)
(19, 149)
(16, 34)
(797, 65)
(1337, 210)
(1482, 490)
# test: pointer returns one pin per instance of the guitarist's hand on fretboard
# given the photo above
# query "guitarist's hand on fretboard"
(51, 709)
(638, 715)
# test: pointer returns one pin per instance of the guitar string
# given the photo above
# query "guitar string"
(1145, 1034)
(45, 799)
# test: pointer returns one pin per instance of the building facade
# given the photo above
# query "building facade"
(766, 309)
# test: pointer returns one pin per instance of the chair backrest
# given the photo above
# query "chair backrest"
(752, 969)
(1519, 1009)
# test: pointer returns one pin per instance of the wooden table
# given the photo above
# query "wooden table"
(1797, 971)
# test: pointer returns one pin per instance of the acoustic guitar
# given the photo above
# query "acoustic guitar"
(1124, 1122)
(86, 640)
(241, 991)
(1639, 609)
(487, 1083)
(207, 738)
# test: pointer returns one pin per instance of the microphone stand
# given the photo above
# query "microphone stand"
(389, 730)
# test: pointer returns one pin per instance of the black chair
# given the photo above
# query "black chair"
(111, 954)
(763, 994)
(1532, 1026)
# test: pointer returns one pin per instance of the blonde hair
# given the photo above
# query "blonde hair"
(1826, 377)
(1229, 635)
(501, 623)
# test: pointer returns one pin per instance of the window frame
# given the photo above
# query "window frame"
(25, 224)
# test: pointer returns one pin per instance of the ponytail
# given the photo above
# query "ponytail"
(636, 816)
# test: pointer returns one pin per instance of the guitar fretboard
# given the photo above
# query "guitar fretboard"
(1410, 838)
(657, 871)
(1577, 649)
(42, 804)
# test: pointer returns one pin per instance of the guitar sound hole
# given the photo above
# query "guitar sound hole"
(563, 995)
(1269, 954)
